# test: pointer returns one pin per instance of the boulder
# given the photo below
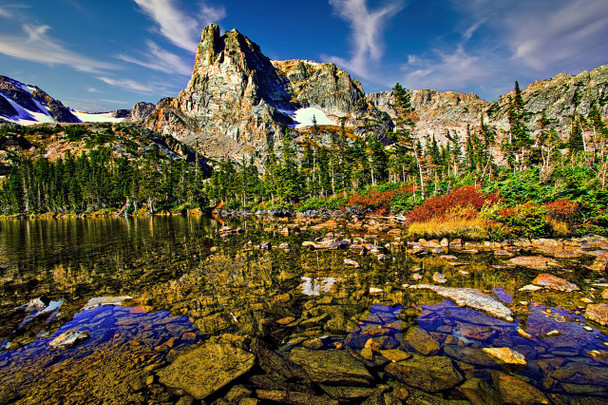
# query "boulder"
(351, 263)
(554, 283)
(331, 366)
(429, 373)
(506, 355)
(421, 341)
(206, 369)
(597, 313)
(479, 392)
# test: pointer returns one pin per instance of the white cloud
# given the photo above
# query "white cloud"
(546, 35)
(367, 26)
(161, 60)
(182, 29)
(128, 84)
(4, 13)
(37, 46)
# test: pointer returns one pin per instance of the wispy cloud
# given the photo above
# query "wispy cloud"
(512, 39)
(179, 27)
(38, 46)
(570, 31)
(367, 29)
(128, 84)
(160, 60)
(453, 69)
(5, 13)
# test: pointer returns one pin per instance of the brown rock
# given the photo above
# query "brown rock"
(206, 369)
(506, 355)
(421, 341)
(533, 262)
(555, 283)
(601, 263)
(597, 313)
(479, 392)
(429, 373)
(515, 391)
(395, 354)
(331, 366)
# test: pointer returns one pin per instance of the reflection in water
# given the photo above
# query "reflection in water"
(317, 286)
(189, 285)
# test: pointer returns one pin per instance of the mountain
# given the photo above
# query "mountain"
(27, 104)
(558, 98)
(238, 101)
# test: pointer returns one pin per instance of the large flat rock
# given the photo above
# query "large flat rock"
(429, 373)
(331, 366)
(204, 370)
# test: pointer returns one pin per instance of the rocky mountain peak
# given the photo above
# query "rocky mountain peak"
(238, 101)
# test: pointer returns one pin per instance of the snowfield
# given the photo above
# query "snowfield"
(96, 117)
(304, 117)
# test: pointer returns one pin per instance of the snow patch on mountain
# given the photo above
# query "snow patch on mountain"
(97, 117)
(305, 117)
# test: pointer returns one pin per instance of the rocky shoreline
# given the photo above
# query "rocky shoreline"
(349, 310)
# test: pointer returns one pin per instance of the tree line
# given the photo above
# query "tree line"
(98, 180)
(302, 168)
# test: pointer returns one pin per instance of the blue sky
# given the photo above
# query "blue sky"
(103, 55)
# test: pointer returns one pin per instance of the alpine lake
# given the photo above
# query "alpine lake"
(166, 310)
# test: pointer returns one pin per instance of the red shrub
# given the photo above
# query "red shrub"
(375, 199)
(438, 207)
(563, 209)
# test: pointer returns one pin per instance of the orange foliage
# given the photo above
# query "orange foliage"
(563, 209)
(439, 207)
(378, 201)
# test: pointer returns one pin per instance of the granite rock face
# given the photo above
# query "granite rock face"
(238, 101)
(140, 111)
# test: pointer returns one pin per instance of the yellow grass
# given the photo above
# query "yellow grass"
(453, 227)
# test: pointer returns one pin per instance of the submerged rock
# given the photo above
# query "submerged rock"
(69, 339)
(439, 278)
(429, 373)
(472, 298)
(98, 301)
(512, 390)
(479, 392)
(421, 341)
(207, 369)
(331, 366)
(554, 283)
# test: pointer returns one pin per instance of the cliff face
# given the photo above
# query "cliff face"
(238, 101)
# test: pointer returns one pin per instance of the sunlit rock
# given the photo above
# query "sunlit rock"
(205, 370)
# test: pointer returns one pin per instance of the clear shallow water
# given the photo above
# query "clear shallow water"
(191, 286)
